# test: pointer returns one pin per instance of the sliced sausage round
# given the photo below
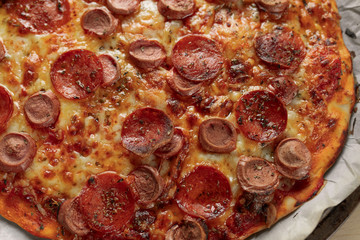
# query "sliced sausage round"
(99, 21)
(293, 158)
(273, 6)
(42, 109)
(123, 7)
(76, 74)
(256, 175)
(176, 9)
(111, 69)
(71, 218)
(106, 202)
(6, 106)
(17, 152)
(186, 230)
(197, 58)
(261, 116)
(284, 88)
(2, 51)
(270, 214)
(146, 130)
(147, 184)
(217, 135)
(147, 54)
(204, 193)
(182, 86)
(173, 147)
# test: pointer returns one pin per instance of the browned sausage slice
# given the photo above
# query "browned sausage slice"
(99, 21)
(42, 109)
(186, 230)
(256, 175)
(176, 9)
(147, 184)
(17, 151)
(270, 214)
(284, 88)
(71, 218)
(173, 147)
(181, 85)
(2, 51)
(123, 7)
(217, 135)
(147, 54)
(111, 69)
(273, 6)
(293, 158)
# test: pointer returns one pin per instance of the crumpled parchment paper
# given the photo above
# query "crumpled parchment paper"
(342, 179)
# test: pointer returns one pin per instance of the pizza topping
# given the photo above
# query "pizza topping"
(293, 158)
(183, 86)
(17, 152)
(42, 109)
(111, 69)
(123, 7)
(256, 175)
(106, 202)
(284, 88)
(176, 9)
(2, 51)
(147, 54)
(204, 193)
(70, 217)
(39, 16)
(197, 58)
(173, 147)
(273, 6)
(6, 106)
(261, 116)
(282, 48)
(76, 74)
(99, 21)
(147, 184)
(217, 135)
(146, 130)
(270, 214)
(186, 230)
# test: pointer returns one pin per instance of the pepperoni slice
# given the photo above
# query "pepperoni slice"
(2, 51)
(123, 7)
(70, 217)
(147, 184)
(42, 109)
(256, 175)
(293, 158)
(173, 147)
(99, 21)
(111, 69)
(146, 130)
(183, 86)
(176, 9)
(205, 193)
(76, 74)
(17, 152)
(106, 202)
(217, 135)
(147, 54)
(186, 230)
(282, 48)
(273, 6)
(284, 88)
(39, 16)
(197, 58)
(261, 116)
(6, 106)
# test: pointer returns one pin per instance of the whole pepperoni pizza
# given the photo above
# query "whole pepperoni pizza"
(167, 119)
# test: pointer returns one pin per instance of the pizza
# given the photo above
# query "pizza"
(167, 119)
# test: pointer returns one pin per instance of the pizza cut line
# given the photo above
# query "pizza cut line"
(167, 119)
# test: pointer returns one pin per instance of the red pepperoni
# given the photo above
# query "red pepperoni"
(284, 88)
(106, 202)
(146, 130)
(2, 51)
(6, 106)
(39, 16)
(281, 48)
(261, 116)
(197, 58)
(173, 147)
(205, 193)
(76, 74)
